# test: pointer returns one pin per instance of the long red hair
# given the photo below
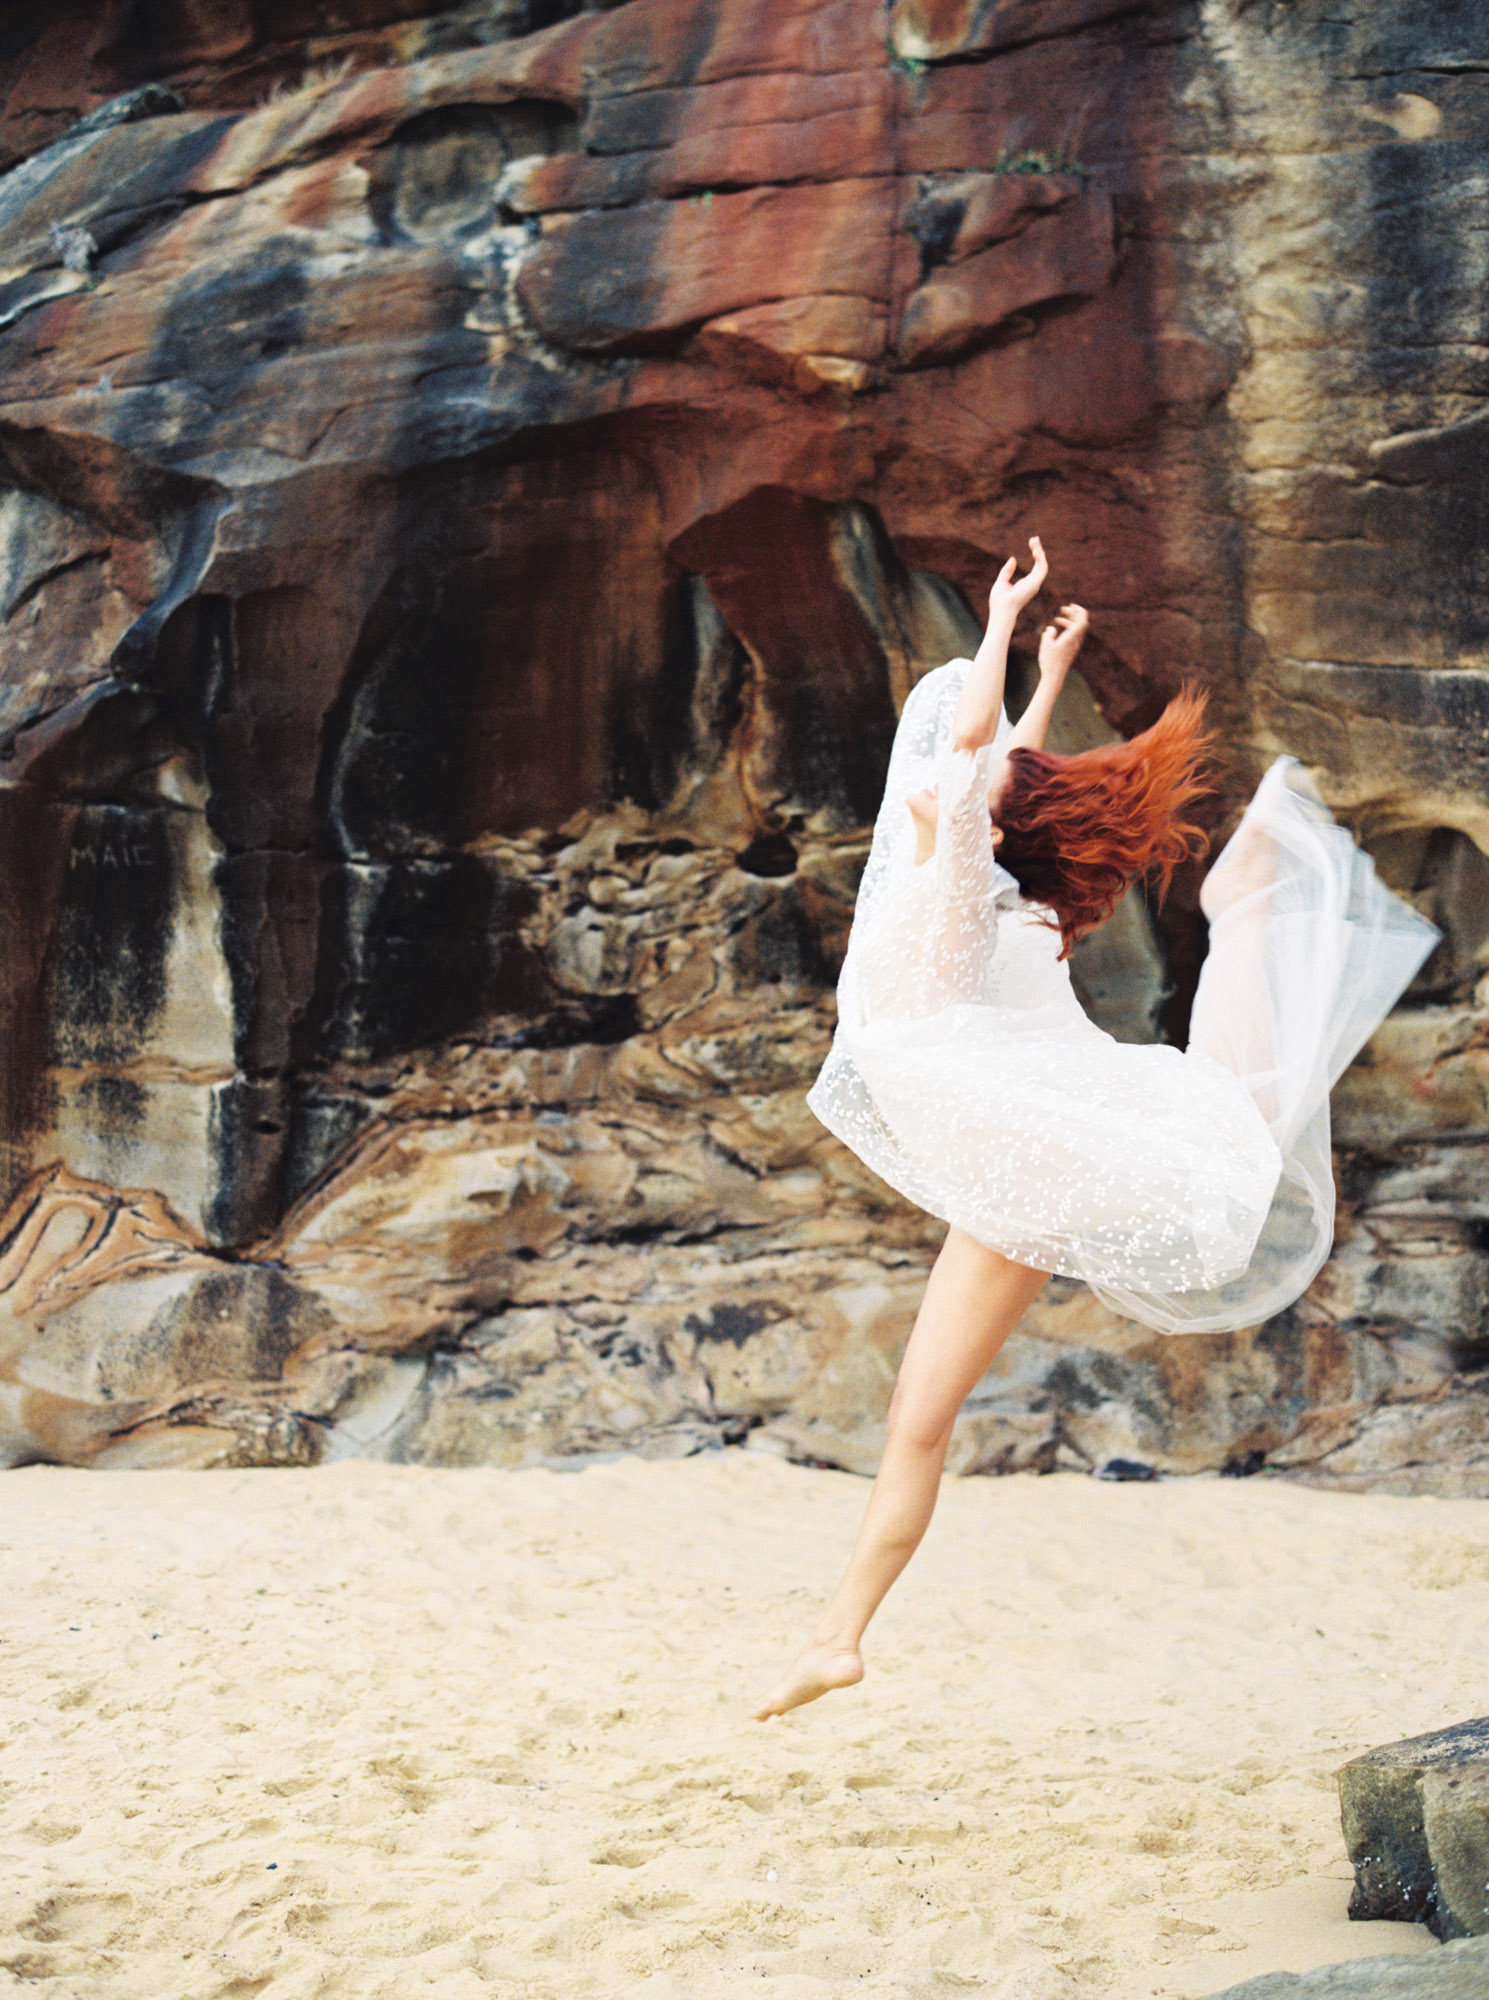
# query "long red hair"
(1077, 830)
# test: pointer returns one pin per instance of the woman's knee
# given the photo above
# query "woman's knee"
(919, 1423)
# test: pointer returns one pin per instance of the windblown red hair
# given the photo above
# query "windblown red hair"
(1077, 830)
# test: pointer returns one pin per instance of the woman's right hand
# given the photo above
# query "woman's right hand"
(1012, 592)
(1062, 639)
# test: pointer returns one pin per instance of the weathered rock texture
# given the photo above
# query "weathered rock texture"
(1416, 1826)
(1461, 1972)
(477, 488)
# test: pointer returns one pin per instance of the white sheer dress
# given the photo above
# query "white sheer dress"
(1192, 1190)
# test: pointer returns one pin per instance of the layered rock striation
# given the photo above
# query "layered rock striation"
(477, 489)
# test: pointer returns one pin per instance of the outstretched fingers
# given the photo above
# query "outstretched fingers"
(1012, 591)
(1063, 636)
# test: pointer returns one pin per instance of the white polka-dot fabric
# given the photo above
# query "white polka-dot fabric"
(1192, 1190)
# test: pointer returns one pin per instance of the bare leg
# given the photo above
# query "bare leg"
(973, 1300)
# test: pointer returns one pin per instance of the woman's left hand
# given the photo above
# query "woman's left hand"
(1061, 640)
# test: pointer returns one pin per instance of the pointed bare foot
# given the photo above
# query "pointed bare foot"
(819, 1670)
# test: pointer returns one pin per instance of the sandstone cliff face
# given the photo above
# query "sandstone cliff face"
(477, 488)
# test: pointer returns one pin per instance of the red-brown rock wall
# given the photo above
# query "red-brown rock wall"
(478, 486)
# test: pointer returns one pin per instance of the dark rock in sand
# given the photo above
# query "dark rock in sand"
(1416, 1826)
(1457, 1972)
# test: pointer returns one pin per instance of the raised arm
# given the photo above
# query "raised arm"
(1059, 643)
(981, 701)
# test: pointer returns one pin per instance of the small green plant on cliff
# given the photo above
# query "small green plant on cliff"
(1030, 161)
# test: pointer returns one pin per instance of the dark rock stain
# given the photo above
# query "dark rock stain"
(435, 179)
(735, 1324)
(1426, 299)
(111, 933)
(413, 952)
(782, 946)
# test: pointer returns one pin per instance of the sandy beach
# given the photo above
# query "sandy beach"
(372, 1731)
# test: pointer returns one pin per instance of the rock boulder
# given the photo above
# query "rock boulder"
(1416, 1825)
(1459, 1972)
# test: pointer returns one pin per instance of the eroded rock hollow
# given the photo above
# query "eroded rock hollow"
(477, 488)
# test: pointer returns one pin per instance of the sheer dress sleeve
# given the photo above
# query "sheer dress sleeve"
(924, 936)
(966, 878)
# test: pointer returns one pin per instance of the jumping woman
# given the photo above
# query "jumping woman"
(1191, 1190)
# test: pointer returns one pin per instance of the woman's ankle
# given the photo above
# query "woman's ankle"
(835, 1639)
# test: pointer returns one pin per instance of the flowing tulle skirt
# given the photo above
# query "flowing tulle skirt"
(1191, 1190)
(1308, 953)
